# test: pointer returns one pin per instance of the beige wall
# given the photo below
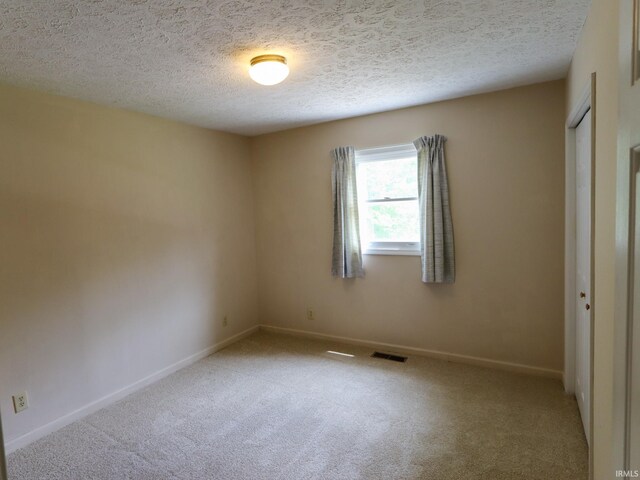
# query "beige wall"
(597, 51)
(505, 157)
(125, 238)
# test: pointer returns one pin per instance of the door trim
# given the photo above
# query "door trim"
(586, 101)
(634, 164)
(3, 461)
(625, 279)
(625, 245)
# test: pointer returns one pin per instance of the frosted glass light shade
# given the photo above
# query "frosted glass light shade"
(269, 69)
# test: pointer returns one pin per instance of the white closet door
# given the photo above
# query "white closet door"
(583, 268)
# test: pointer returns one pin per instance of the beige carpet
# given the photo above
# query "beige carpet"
(278, 407)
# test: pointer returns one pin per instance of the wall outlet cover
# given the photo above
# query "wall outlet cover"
(20, 402)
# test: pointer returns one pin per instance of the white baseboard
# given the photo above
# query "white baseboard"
(452, 357)
(92, 407)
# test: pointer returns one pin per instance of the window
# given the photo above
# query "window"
(388, 200)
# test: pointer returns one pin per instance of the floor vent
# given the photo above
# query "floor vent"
(389, 356)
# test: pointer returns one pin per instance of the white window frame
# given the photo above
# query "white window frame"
(393, 152)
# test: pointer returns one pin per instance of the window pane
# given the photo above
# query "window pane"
(391, 178)
(393, 222)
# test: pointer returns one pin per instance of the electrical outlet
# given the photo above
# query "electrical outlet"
(20, 402)
(310, 314)
(225, 322)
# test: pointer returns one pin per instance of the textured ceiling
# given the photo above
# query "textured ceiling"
(188, 59)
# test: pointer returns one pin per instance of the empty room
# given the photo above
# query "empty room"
(341, 239)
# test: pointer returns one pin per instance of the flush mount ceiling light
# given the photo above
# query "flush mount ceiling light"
(268, 69)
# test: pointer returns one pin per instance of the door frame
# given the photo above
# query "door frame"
(625, 245)
(3, 461)
(586, 101)
(625, 280)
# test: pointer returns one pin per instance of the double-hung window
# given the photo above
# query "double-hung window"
(388, 200)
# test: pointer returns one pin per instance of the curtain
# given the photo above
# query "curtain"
(436, 227)
(347, 255)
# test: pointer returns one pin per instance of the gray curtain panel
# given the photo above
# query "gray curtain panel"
(347, 254)
(436, 227)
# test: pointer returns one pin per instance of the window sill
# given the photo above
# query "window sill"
(386, 251)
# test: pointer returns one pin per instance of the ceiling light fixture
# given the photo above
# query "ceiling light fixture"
(268, 69)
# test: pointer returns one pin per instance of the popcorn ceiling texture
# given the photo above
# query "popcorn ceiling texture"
(188, 60)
